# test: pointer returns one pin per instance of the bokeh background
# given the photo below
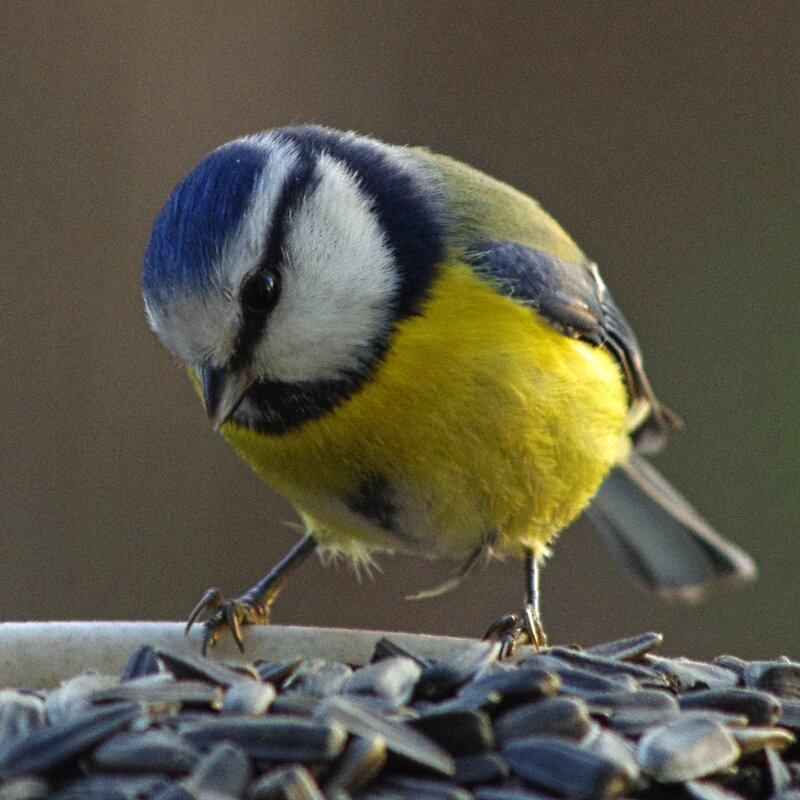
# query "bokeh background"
(664, 136)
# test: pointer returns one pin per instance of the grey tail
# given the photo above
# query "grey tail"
(658, 538)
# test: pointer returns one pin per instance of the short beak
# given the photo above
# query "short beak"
(223, 390)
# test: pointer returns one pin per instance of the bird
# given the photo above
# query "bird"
(421, 360)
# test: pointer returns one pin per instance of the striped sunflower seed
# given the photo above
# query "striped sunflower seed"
(686, 749)
(566, 769)
(286, 783)
(50, 747)
(271, 737)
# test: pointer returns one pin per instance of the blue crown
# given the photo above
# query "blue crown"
(204, 209)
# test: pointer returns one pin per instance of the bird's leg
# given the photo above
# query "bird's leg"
(253, 607)
(533, 617)
(525, 628)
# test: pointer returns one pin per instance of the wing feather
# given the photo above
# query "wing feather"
(573, 298)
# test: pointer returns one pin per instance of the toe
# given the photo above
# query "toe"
(209, 602)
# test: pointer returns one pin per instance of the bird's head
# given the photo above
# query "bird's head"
(280, 264)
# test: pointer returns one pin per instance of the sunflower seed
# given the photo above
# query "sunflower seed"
(458, 732)
(271, 737)
(508, 793)
(751, 740)
(513, 686)
(686, 749)
(701, 790)
(318, 678)
(630, 649)
(72, 696)
(760, 708)
(633, 712)
(386, 648)
(276, 672)
(400, 738)
(443, 677)
(555, 716)
(176, 791)
(361, 762)
(248, 697)
(21, 713)
(732, 663)
(223, 770)
(111, 787)
(687, 675)
(580, 682)
(728, 720)
(286, 783)
(488, 701)
(557, 765)
(48, 747)
(424, 788)
(392, 679)
(151, 751)
(294, 704)
(790, 714)
(611, 746)
(183, 665)
(143, 661)
(90, 789)
(782, 678)
(161, 692)
(779, 776)
(25, 789)
(609, 667)
(383, 707)
(480, 768)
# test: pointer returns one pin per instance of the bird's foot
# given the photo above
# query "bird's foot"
(513, 630)
(230, 614)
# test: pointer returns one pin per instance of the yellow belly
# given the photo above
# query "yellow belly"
(481, 421)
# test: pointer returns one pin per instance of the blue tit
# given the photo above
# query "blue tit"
(420, 359)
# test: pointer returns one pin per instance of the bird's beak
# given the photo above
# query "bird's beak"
(223, 390)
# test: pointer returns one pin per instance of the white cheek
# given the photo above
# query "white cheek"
(196, 330)
(338, 283)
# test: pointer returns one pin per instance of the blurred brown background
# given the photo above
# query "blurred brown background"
(665, 139)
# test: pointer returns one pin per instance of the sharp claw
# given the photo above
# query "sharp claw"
(498, 630)
(513, 630)
(541, 636)
(209, 637)
(212, 599)
(231, 613)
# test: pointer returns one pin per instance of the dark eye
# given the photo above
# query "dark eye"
(259, 292)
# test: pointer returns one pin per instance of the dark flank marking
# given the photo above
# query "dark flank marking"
(191, 230)
(373, 500)
(575, 301)
(411, 215)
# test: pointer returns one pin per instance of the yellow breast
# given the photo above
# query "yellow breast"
(481, 420)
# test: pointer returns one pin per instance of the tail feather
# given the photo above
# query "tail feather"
(658, 538)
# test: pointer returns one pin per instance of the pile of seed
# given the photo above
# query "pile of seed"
(612, 720)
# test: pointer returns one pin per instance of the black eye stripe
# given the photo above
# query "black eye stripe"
(254, 318)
